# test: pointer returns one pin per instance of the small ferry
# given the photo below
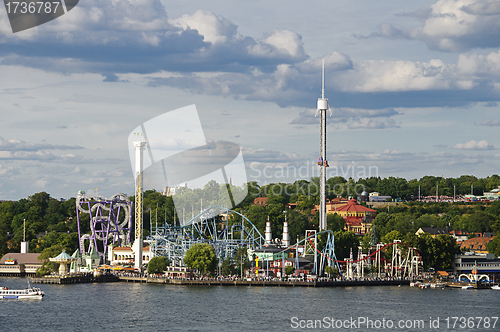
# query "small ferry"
(438, 285)
(28, 293)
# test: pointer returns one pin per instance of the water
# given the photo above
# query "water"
(149, 307)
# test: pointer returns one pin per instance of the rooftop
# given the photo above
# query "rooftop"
(353, 205)
(29, 258)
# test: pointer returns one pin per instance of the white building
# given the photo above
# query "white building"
(495, 193)
(125, 255)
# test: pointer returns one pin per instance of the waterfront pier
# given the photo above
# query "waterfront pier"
(214, 282)
(84, 279)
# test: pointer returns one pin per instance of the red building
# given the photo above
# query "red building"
(358, 218)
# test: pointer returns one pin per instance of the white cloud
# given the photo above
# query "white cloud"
(473, 145)
(214, 28)
(490, 122)
(297, 84)
(479, 65)
(269, 157)
(7, 171)
(453, 25)
(334, 61)
(372, 124)
(281, 43)
(19, 145)
(354, 118)
(378, 76)
(394, 152)
(27, 155)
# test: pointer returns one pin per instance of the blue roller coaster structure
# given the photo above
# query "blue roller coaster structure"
(233, 230)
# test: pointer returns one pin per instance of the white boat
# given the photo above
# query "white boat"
(468, 287)
(28, 293)
(438, 285)
(497, 287)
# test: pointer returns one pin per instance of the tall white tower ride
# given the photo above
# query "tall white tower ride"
(137, 246)
(322, 108)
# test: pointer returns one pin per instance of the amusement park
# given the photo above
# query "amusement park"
(248, 235)
(313, 256)
(116, 224)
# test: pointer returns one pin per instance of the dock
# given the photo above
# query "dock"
(461, 284)
(261, 283)
(74, 279)
(212, 282)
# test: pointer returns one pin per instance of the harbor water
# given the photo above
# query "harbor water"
(157, 307)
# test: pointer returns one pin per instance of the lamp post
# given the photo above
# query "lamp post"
(241, 266)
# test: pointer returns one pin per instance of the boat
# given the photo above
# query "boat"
(468, 287)
(496, 287)
(438, 285)
(28, 293)
(425, 285)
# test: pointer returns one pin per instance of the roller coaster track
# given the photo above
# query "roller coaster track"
(173, 242)
(373, 253)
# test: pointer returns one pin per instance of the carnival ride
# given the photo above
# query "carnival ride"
(233, 231)
(110, 222)
(474, 276)
(111, 219)
(405, 261)
(236, 231)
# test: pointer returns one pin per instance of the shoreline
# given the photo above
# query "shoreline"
(186, 282)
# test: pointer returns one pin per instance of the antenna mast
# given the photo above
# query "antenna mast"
(322, 162)
(323, 81)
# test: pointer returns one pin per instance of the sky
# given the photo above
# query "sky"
(413, 88)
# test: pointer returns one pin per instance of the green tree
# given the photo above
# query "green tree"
(382, 223)
(438, 252)
(201, 257)
(366, 242)
(335, 222)
(374, 238)
(344, 243)
(297, 224)
(48, 266)
(158, 265)
(391, 236)
(494, 208)
(331, 271)
(228, 266)
(494, 246)
(241, 260)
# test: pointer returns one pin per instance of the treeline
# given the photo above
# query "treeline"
(391, 186)
(53, 224)
(399, 222)
(48, 222)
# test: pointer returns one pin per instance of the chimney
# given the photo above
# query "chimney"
(286, 237)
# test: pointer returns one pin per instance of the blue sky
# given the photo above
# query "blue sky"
(413, 87)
